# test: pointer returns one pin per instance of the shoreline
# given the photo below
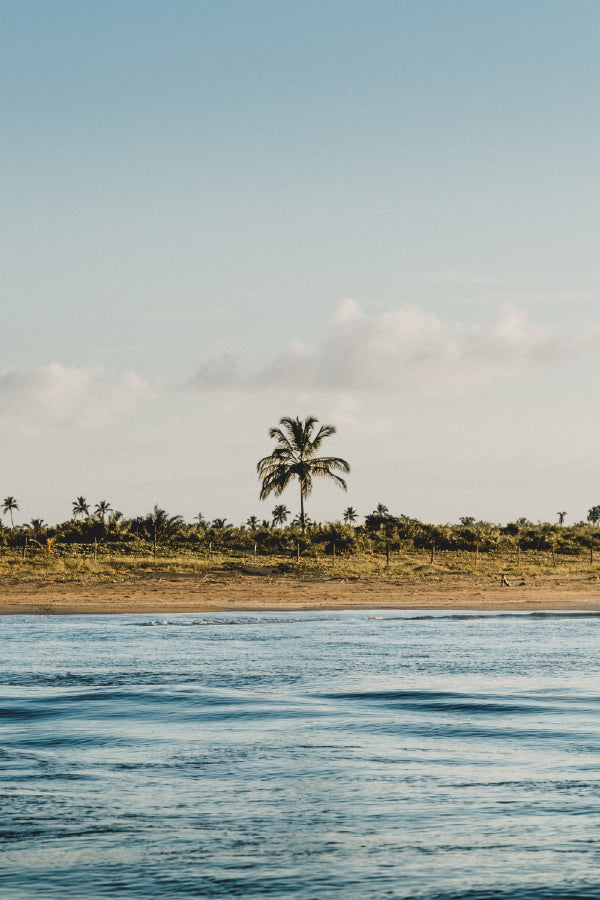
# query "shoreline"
(220, 592)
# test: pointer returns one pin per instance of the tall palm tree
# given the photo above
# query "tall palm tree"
(81, 508)
(350, 515)
(9, 504)
(295, 457)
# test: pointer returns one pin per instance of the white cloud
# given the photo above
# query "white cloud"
(87, 396)
(347, 311)
(403, 349)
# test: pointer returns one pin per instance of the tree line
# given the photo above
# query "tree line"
(379, 532)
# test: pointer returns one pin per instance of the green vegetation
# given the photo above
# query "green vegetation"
(107, 545)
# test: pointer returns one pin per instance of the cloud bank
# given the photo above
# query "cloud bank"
(87, 396)
(401, 350)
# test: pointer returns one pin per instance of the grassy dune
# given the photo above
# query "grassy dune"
(90, 564)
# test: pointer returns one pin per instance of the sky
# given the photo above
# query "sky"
(382, 214)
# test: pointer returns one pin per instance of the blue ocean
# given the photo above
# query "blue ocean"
(301, 755)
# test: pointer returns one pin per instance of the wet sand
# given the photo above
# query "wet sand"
(260, 592)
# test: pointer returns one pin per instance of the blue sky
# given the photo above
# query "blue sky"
(383, 214)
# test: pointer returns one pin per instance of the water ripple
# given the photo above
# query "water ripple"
(355, 755)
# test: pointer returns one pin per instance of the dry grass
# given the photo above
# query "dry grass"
(412, 565)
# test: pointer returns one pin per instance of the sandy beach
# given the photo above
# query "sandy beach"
(256, 592)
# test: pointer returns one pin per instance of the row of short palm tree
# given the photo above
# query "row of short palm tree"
(280, 516)
(104, 514)
(160, 533)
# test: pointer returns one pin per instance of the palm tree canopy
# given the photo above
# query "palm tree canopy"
(381, 510)
(158, 522)
(295, 456)
(81, 507)
(220, 524)
(280, 514)
(9, 505)
(350, 515)
(593, 515)
(102, 509)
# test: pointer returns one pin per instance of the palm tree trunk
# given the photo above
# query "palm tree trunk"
(302, 522)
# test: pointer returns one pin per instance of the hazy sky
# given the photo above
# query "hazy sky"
(384, 214)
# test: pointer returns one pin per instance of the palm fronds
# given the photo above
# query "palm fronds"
(294, 456)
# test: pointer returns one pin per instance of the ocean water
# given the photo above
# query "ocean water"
(300, 755)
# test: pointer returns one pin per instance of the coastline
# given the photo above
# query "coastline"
(219, 592)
